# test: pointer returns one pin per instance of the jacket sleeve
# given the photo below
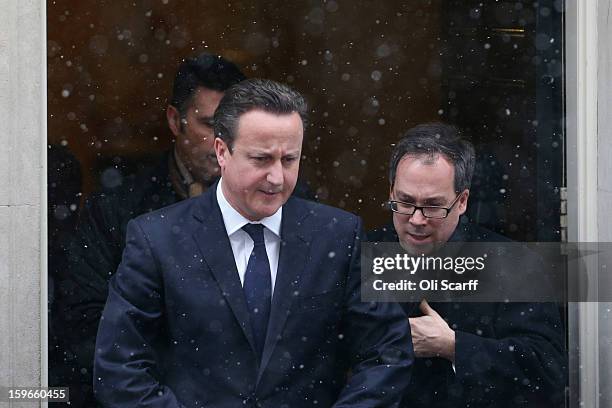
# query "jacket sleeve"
(126, 371)
(379, 345)
(93, 254)
(525, 361)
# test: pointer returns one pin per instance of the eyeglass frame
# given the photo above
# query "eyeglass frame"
(420, 207)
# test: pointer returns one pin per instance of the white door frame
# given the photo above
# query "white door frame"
(587, 46)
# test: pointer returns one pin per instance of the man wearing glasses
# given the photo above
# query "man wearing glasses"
(468, 354)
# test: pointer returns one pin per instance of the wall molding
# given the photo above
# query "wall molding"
(582, 44)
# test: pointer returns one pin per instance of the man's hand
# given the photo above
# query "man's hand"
(431, 335)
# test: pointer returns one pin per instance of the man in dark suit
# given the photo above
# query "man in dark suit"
(468, 354)
(247, 296)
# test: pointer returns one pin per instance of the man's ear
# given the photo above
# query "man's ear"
(391, 192)
(221, 150)
(174, 120)
(463, 201)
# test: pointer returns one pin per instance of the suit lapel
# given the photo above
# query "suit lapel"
(213, 242)
(292, 258)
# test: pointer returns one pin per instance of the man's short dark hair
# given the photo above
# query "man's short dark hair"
(431, 140)
(205, 70)
(252, 94)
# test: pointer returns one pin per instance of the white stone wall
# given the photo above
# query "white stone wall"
(22, 192)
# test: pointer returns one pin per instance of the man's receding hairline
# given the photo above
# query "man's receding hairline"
(255, 109)
(427, 158)
(259, 109)
(271, 111)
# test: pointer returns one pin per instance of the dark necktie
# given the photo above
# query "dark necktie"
(258, 285)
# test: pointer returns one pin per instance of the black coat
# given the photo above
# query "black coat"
(506, 354)
(93, 254)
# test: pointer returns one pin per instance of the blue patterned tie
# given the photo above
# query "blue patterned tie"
(258, 285)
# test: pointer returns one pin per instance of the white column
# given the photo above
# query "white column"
(604, 186)
(23, 254)
(589, 176)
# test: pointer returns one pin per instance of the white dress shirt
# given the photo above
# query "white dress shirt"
(242, 244)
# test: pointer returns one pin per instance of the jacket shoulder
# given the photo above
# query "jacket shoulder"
(147, 190)
(167, 222)
(172, 212)
(477, 233)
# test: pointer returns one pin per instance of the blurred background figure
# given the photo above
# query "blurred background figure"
(64, 196)
(94, 251)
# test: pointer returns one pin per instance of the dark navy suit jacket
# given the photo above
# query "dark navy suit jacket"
(175, 330)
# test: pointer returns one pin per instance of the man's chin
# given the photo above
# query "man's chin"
(266, 210)
(415, 246)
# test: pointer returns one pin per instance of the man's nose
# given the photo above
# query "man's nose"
(418, 218)
(275, 173)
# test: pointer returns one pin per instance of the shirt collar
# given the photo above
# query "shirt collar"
(234, 221)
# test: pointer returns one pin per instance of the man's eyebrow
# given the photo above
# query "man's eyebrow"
(408, 198)
(265, 152)
(435, 199)
(405, 197)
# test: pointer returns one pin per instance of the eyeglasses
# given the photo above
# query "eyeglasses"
(428, 211)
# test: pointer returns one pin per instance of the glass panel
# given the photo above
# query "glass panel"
(370, 71)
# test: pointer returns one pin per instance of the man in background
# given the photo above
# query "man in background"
(94, 254)
(468, 354)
